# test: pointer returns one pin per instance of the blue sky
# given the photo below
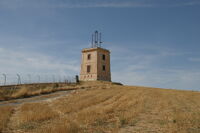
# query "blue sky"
(152, 42)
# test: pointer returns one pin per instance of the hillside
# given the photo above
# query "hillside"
(99, 107)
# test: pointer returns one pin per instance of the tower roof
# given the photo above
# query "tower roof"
(95, 49)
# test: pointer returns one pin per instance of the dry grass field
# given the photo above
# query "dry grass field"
(21, 91)
(107, 108)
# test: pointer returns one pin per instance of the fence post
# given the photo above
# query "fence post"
(29, 76)
(77, 79)
(18, 79)
(4, 78)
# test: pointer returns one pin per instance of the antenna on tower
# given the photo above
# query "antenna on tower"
(96, 39)
(92, 40)
(100, 42)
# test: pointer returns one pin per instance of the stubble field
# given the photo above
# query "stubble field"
(99, 107)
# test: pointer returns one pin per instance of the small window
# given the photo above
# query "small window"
(104, 68)
(89, 56)
(103, 57)
(88, 68)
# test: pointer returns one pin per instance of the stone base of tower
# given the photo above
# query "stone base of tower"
(90, 77)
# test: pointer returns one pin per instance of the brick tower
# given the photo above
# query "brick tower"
(95, 63)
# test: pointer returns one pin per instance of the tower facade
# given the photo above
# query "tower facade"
(95, 63)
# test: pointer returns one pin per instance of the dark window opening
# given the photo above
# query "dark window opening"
(103, 57)
(104, 68)
(88, 68)
(89, 56)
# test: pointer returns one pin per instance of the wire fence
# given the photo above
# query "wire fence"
(18, 79)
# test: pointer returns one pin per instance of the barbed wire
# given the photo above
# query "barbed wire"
(17, 79)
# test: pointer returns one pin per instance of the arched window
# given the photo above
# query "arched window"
(104, 68)
(89, 56)
(88, 68)
(103, 57)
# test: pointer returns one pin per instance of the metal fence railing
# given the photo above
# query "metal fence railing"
(17, 79)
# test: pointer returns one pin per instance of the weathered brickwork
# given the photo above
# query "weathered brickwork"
(95, 64)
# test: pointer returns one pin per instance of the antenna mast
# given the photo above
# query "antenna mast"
(100, 42)
(96, 39)
(92, 40)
